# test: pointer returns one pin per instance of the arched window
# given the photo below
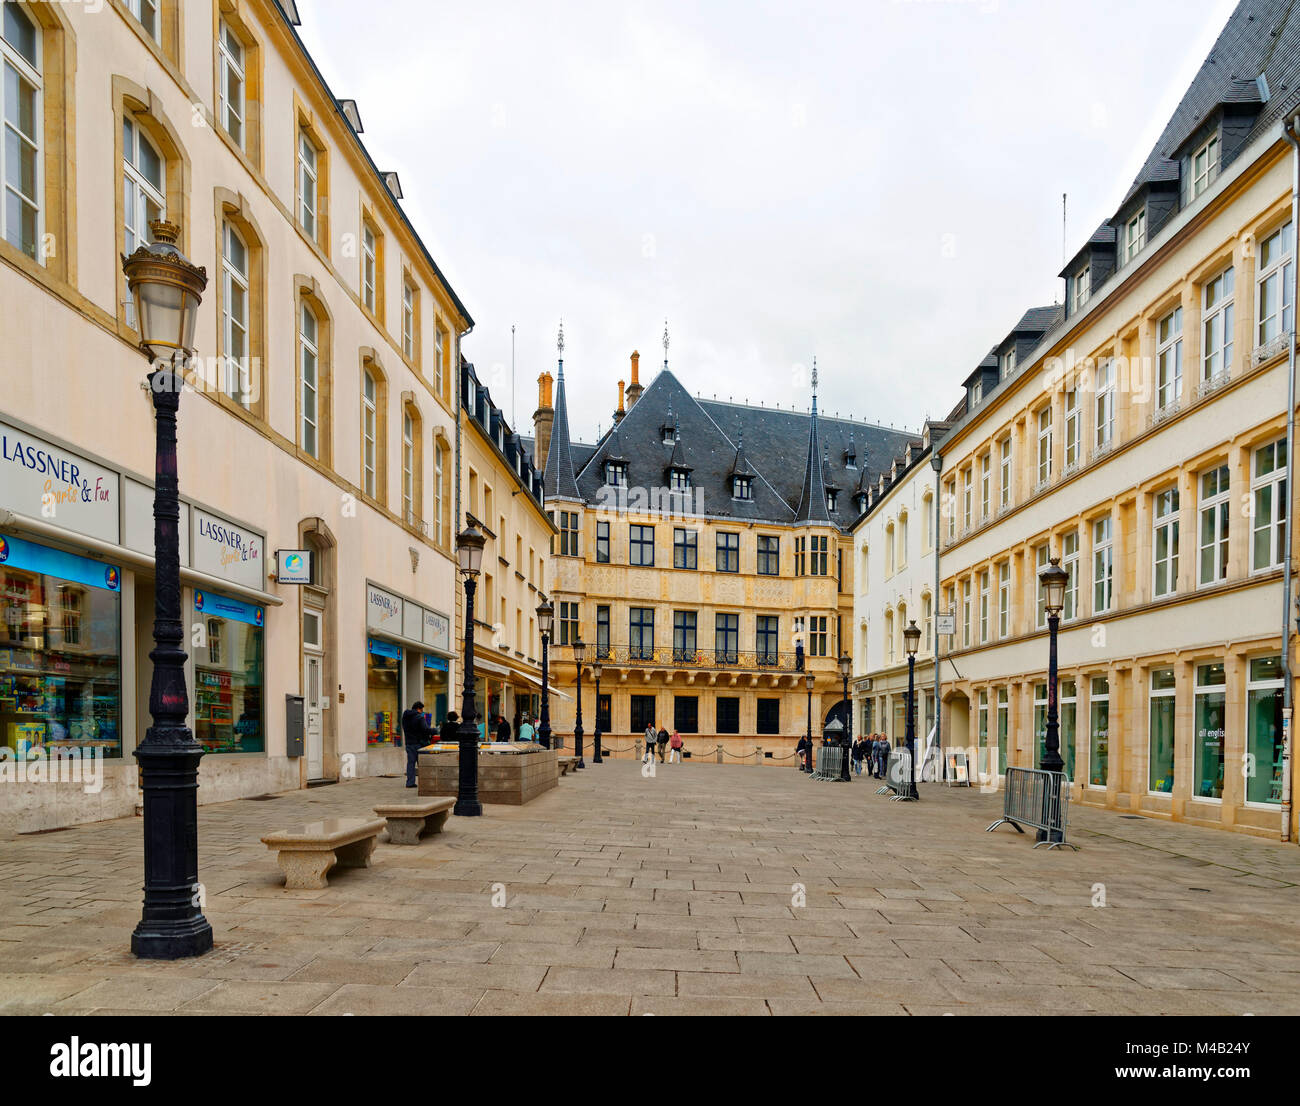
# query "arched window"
(901, 558)
(144, 183)
(309, 381)
(889, 550)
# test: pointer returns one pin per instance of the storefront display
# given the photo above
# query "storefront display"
(1264, 730)
(1161, 734)
(383, 693)
(60, 650)
(1211, 713)
(435, 690)
(1099, 724)
(228, 675)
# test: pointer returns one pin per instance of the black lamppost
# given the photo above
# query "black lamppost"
(808, 681)
(579, 652)
(166, 289)
(845, 665)
(545, 620)
(469, 555)
(1054, 580)
(596, 670)
(911, 641)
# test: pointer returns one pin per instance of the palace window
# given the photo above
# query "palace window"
(602, 633)
(234, 314)
(568, 623)
(817, 565)
(602, 543)
(568, 533)
(641, 633)
(817, 636)
(726, 638)
(742, 487)
(769, 555)
(766, 640)
(641, 546)
(1273, 286)
(1169, 359)
(684, 642)
(231, 83)
(1103, 562)
(685, 548)
(616, 474)
(728, 552)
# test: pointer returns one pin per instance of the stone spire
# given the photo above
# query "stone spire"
(559, 480)
(812, 501)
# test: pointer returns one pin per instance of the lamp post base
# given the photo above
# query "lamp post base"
(471, 808)
(164, 940)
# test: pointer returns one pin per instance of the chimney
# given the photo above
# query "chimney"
(634, 389)
(543, 419)
(618, 415)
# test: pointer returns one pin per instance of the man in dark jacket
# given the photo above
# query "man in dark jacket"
(503, 728)
(450, 729)
(801, 751)
(662, 741)
(416, 734)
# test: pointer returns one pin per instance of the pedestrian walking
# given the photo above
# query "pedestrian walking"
(675, 746)
(663, 744)
(649, 755)
(859, 750)
(416, 734)
(801, 751)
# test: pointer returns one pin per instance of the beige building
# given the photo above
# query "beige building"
(1139, 434)
(703, 556)
(322, 418)
(502, 495)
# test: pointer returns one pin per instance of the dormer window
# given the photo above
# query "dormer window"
(669, 433)
(681, 480)
(1135, 235)
(830, 501)
(862, 502)
(742, 487)
(1205, 166)
(976, 393)
(1008, 365)
(615, 473)
(1082, 286)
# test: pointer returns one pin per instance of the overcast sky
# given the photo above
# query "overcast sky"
(877, 183)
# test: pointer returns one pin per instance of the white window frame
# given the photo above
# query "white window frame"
(29, 75)
(1070, 562)
(369, 433)
(965, 612)
(1135, 235)
(1073, 428)
(1270, 485)
(1008, 363)
(1169, 360)
(1044, 417)
(984, 606)
(986, 481)
(967, 497)
(1214, 510)
(1217, 320)
(231, 64)
(1103, 565)
(149, 15)
(1005, 473)
(234, 322)
(1273, 286)
(408, 466)
(369, 265)
(1104, 405)
(1164, 527)
(1042, 554)
(1004, 599)
(309, 381)
(1205, 166)
(308, 183)
(408, 320)
(438, 464)
(139, 193)
(1082, 286)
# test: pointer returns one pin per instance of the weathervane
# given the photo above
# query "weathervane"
(665, 343)
(814, 375)
(560, 340)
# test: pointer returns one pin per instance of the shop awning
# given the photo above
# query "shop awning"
(502, 670)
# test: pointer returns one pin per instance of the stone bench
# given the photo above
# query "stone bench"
(566, 764)
(408, 822)
(308, 852)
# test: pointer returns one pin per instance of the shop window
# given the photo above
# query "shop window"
(1099, 732)
(1264, 730)
(383, 693)
(60, 651)
(1211, 714)
(1161, 734)
(228, 682)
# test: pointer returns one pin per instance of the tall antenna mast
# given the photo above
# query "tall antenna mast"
(1064, 237)
(513, 408)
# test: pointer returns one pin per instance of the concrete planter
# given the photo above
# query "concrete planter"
(510, 778)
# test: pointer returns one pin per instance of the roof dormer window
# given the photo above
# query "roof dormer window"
(742, 487)
(862, 501)
(1135, 235)
(831, 497)
(669, 433)
(615, 473)
(1205, 166)
(1008, 365)
(680, 480)
(1082, 286)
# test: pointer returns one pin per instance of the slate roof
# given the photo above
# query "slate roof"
(559, 477)
(1261, 36)
(776, 448)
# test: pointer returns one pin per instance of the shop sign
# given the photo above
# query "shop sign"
(16, 553)
(293, 566)
(221, 548)
(438, 664)
(437, 630)
(221, 606)
(384, 649)
(383, 611)
(44, 481)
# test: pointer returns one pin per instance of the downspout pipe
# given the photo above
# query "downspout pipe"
(1289, 130)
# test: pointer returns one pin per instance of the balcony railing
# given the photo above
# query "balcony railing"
(743, 660)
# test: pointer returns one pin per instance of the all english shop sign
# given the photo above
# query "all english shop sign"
(222, 549)
(44, 481)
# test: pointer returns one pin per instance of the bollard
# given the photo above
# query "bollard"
(639, 750)
(718, 754)
(758, 755)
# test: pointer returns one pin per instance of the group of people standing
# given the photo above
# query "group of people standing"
(871, 751)
(662, 741)
(417, 732)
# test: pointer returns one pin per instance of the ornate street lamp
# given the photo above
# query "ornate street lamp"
(167, 289)
(808, 681)
(911, 641)
(579, 653)
(469, 556)
(1054, 579)
(596, 670)
(545, 620)
(846, 665)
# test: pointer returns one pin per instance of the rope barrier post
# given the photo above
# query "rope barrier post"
(639, 755)
(758, 755)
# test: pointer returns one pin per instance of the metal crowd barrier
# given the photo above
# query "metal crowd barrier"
(1039, 799)
(897, 769)
(830, 763)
